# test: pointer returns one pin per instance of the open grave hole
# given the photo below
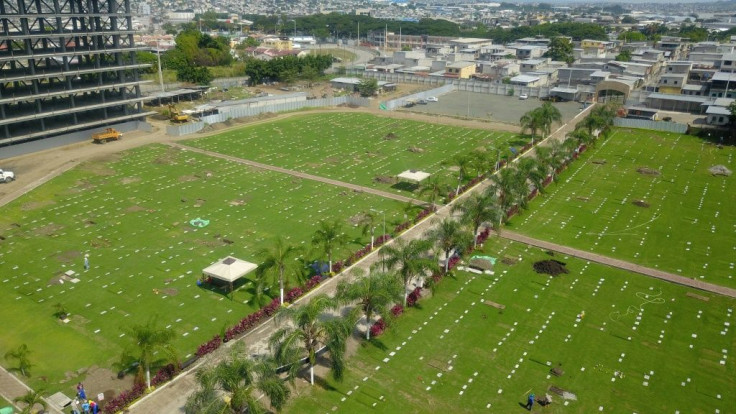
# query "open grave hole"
(648, 171)
(550, 267)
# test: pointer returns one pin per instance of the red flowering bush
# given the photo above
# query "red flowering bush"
(124, 399)
(413, 297)
(483, 236)
(378, 327)
(209, 346)
(397, 310)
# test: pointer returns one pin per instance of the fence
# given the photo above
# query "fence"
(399, 102)
(647, 124)
(193, 127)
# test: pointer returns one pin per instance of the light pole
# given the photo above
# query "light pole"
(383, 212)
(158, 59)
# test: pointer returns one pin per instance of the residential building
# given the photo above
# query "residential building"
(461, 70)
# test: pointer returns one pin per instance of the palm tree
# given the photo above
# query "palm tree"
(449, 234)
(534, 171)
(31, 399)
(21, 355)
(549, 114)
(368, 222)
(276, 261)
(463, 163)
(531, 121)
(374, 293)
(239, 377)
(434, 187)
(505, 182)
(410, 258)
(147, 340)
(309, 330)
(582, 135)
(330, 237)
(478, 209)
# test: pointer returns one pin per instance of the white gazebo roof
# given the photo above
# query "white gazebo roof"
(414, 175)
(229, 269)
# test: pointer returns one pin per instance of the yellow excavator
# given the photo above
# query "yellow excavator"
(177, 117)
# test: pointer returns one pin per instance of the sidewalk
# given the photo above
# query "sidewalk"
(11, 387)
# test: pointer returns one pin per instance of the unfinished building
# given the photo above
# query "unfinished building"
(66, 65)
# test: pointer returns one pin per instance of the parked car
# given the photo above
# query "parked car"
(432, 99)
(422, 102)
(6, 176)
(523, 96)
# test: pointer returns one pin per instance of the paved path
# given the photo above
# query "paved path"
(609, 261)
(306, 176)
(12, 387)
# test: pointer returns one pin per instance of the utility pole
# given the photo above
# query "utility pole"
(158, 59)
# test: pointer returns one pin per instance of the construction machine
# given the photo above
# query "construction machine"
(176, 116)
(109, 134)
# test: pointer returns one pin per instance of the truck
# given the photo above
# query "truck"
(109, 134)
(177, 117)
(6, 176)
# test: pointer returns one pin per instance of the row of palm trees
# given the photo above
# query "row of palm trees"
(325, 323)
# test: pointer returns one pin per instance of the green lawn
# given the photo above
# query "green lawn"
(457, 354)
(687, 228)
(356, 148)
(132, 216)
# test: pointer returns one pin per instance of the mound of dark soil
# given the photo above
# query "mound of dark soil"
(510, 261)
(640, 203)
(647, 171)
(599, 162)
(390, 136)
(550, 267)
(384, 179)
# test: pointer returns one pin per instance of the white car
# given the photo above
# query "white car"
(523, 96)
(432, 99)
(6, 176)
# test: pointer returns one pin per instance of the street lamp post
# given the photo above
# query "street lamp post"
(158, 59)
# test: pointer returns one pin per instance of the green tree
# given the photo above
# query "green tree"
(374, 294)
(238, 377)
(624, 56)
(20, 355)
(410, 259)
(147, 340)
(531, 121)
(250, 42)
(368, 86)
(30, 399)
(549, 114)
(434, 187)
(199, 75)
(732, 109)
(367, 223)
(478, 209)
(632, 36)
(560, 49)
(629, 20)
(310, 329)
(449, 235)
(534, 171)
(277, 261)
(330, 237)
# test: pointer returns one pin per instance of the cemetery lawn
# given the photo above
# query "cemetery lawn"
(358, 148)
(629, 352)
(131, 214)
(684, 223)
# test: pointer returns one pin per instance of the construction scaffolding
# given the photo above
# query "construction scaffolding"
(66, 65)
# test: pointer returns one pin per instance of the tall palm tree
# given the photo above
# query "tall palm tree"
(478, 209)
(549, 114)
(278, 260)
(534, 171)
(434, 187)
(31, 399)
(409, 258)
(374, 293)
(309, 329)
(147, 340)
(482, 161)
(505, 183)
(21, 355)
(239, 377)
(368, 222)
(449, 234)
(329, 236)
(531, 121)
(582, 135)
(463, 164)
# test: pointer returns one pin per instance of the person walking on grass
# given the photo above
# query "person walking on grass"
(86, 262)
(530, 402)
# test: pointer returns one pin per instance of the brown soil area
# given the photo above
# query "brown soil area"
(647, 171)
(550, 267)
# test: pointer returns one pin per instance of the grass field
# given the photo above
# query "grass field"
(642, 345)
(131, 214)
(356, 148)
(688, 226)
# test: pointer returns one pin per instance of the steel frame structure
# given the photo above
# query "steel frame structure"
(66, 65)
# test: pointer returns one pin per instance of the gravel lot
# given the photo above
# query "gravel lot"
(495, 108)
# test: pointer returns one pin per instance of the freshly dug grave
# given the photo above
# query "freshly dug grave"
(640, 203)
(647, 171)
(550, 267)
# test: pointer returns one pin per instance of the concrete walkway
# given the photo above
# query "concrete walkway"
(620, 264)
(11, 387)
(306, 176)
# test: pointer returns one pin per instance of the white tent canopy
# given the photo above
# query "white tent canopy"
(414, 175)
(229, 269)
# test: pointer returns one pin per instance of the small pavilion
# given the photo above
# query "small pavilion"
(229, 270)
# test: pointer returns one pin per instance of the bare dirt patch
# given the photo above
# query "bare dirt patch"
(416, 150)
(237, 202)
(385, 179)
(48, 229)
(648, 171)
(69, 256)
(510, 261)
(640, 203)
(200, 202)
(186, 178)
(170, 291)
(129, 180)
(33, 205)
(333, 160)
(581, 198)
(599, 162)
(390, 137)
(134, 209)
(550, 267)
(97, 168)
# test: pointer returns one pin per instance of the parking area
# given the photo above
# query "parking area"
(495, 108)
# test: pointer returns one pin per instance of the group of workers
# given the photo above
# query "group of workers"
(82, 405)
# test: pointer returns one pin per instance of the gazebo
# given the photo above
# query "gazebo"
(229, 270)
(414, 176)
